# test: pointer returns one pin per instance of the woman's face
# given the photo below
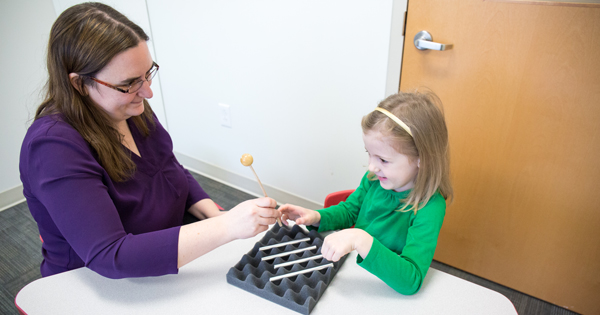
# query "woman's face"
(131, 65)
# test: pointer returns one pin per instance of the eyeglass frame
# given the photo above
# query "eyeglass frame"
(150, 74)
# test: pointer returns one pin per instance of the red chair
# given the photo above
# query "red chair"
(336, 197)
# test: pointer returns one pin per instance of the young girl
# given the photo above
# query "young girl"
(398, 209)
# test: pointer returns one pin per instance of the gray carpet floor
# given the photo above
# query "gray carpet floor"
(20, 255)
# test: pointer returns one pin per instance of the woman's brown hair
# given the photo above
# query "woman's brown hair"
(83, 40)
(428, 143)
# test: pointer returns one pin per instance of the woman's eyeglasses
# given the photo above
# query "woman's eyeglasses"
(134, 86)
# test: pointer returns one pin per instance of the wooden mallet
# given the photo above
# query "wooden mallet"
(247, 160)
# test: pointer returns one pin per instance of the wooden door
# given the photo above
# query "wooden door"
(521, 92)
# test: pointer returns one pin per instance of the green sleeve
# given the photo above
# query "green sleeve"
(405, 272)
(344, 214)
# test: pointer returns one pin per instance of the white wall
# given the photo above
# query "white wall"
(24, 29)
(298, 76)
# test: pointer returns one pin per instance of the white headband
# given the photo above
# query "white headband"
(396, 119)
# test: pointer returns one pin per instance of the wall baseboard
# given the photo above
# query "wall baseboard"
(11, 197)
(242, 183)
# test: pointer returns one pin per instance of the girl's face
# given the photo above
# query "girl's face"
(394, 170)
(126, 67)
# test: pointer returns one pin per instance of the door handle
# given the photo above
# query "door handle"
(423, 40)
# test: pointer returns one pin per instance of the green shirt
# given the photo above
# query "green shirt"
(403, 243)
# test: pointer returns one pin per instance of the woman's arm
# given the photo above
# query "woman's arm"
(204, 209)
(66, 181)
(84, 217)
(243, 221)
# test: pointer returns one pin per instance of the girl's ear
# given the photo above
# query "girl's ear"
(418, 162)
(77, 83)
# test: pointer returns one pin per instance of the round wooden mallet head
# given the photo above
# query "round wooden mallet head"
(247, 159)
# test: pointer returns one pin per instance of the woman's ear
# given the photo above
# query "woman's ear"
(77, 82)
(418, 162)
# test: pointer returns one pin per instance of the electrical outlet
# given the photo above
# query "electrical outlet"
(225, 115)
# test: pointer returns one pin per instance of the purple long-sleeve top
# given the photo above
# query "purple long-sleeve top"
(117, 229)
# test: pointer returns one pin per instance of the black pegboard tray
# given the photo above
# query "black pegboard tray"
(299, 293)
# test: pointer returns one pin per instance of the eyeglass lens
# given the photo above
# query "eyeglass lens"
(136, 86)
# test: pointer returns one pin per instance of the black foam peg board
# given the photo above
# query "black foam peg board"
(299, 293)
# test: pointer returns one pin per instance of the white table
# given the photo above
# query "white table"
(201, 288)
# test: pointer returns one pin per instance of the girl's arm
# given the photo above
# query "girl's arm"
(339, 216)
(405, 271)
(344, 215)
(299, 215)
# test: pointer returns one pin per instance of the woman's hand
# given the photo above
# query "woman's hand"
(338, 244)
(243, 221)
(251, 217)
(299, 215)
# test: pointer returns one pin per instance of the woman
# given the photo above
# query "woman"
(98, 169)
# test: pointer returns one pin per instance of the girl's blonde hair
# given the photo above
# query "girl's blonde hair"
(422, 112)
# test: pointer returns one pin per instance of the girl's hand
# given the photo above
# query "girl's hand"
(250, 217)
(338, 244)
(299, 215)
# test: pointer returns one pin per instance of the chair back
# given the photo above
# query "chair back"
(336, 197)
